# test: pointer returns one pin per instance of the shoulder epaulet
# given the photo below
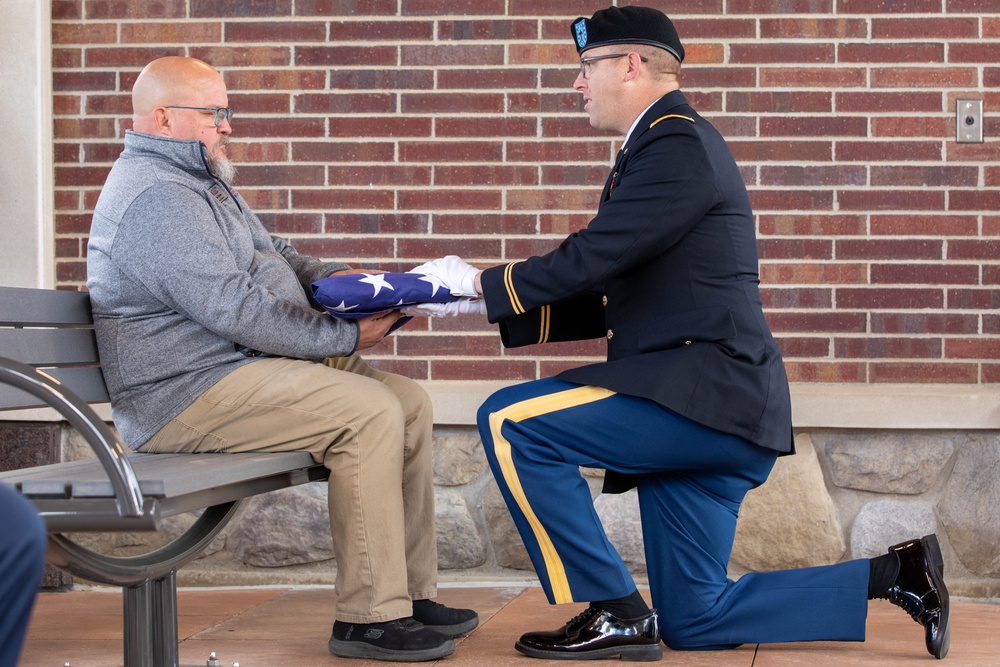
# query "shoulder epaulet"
(669, 116)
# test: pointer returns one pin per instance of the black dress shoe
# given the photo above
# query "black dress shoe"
(597, 634)
(919, 589)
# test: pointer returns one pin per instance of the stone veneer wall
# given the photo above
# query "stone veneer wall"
(846, 494)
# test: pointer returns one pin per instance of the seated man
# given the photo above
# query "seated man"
(209, 343)
(22, 554)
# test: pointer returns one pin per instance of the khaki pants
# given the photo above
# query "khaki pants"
(372, 430)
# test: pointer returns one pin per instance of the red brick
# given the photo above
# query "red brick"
(129, 56)
(71, 272)
(908, 52)
(910, 102)
(73, 223)
(697, 77)
(281, 127)
(974, 200)
(938, 27)
(497, 369)
(780, 102)
(287, 32)
(785, 200)
(924, 274)
(974, 53)
(813, 371)
(519, 248)
(932, 176)
(393, 80)
(796, 298)
(438, 199)
(84, 81)
(444, 346)
(136, 9)
(69, 248)
(376, 223)
(802, 346)
(330, 198)
(380, 126)
(450, 151)
(595, 348)
(464, 55)
(818, 273)
(972, 348)
(908, 126)
(535, 200)
(173, 32)
(781, 151)
(574, 175)
(109, 104)
(277, 175)
(345, 56)
(887, 6)
(561, 152)
(813, 28)
(985, 152)
(77, 176)
(889, 249)
(345, 103)
(342, 151)
(812, 176)
(887, 298)
(924, 373)
(105, 153)
(973, 299)
(736, 126)
(275, 79)
(411, 368)
(813, 126)
(535, 103)
(294, 223)
(67, 9)
(924, 77)
(84, 33)
(63, 58)
(382, 175)
(478, 223)
(795, 248)
(565, 223)
(493, 175)
(241, 8)
(887, 348)
(348, 250)
(377, 31)
(328, 8)
(982, 249)
(243, 56)
(67, 105)
(991, 373)
(887, 151)
(881, 200)
(486, 29)
(496, 79)
(813, 77)
(429, 247)
(768, 53)
(452, 7)
(424, 103)
(814, 224)
(67, 153)
(991, 325)
(923, 323)
(787, 7)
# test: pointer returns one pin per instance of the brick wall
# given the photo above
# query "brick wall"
(388, 132)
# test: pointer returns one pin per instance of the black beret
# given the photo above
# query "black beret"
(627, 25)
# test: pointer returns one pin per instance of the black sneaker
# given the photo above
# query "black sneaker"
(447, 621)
(401, 640)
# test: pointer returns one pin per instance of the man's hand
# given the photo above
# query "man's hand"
(464, 306)
(373, 329)
(453, 272)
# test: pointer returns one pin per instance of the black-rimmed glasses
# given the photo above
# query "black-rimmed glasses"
(585, 71)
(221, 113)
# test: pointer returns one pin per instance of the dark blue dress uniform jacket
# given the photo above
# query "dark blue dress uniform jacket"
(667, 272)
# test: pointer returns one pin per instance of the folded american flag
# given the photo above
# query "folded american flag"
(356, 295)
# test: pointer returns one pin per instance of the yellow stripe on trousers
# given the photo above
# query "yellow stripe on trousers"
(535, 407)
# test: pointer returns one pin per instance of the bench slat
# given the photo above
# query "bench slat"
(49, 347)
(24, 306)
(85, 382)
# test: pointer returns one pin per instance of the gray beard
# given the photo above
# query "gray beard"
(224, 169)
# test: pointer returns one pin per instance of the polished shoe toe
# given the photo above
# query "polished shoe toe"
(597, 634)
(919, 589)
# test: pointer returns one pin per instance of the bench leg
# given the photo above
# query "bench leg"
(150, 623)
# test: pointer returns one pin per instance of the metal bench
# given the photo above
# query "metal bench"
(48, 358)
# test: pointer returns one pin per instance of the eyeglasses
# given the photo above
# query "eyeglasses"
(221, 113)
(585, 71)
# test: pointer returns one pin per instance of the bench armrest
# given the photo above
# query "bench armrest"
(110, 451)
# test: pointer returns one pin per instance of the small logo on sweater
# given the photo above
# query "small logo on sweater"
(217, 192)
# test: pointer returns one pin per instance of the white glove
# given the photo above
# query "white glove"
(453, 272)
(464, 306)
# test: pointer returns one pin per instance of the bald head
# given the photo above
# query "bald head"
(174, 81)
